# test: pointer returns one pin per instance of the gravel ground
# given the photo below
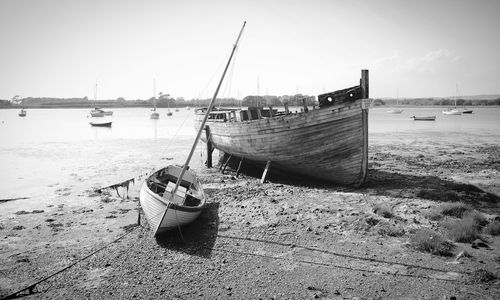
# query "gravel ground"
(281, 240)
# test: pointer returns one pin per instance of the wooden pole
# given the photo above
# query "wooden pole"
(226, 163)
(266, 170)
(270, 111)
(305, 105)
(286, 108)
(209, 147)
(365, 92)
(239, 167)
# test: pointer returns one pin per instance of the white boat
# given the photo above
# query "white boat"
(154, 114)
(96, 111)
(454, 110)
(394, 110)
(164, 210)
(173, 196)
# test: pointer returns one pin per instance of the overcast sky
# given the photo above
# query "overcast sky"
(52, 48)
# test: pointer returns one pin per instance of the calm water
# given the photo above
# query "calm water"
(56, 151)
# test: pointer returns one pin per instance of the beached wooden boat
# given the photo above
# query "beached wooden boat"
(101, 124)
(165, 211)
(425, 118)
(173, 196)
(329, 143)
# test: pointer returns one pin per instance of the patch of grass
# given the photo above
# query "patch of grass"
(391, 230)
(477, 217)
(383, 210)
(429, 241)
(481, 275)
(492, 228)
(433, 214)
(453, 209)
(463, 231)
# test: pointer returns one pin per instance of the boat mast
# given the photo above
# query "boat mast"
(184, 168)
(154, 94)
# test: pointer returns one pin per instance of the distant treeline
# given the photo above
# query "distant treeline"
(432, 101)
(162, 101)
(166, 101)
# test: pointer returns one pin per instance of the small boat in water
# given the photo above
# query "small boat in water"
(395, 111)
(467, 111)
(426, 118)
(96, 111)
(173, 196)
(101, 124)
(154, 114)
(452, 111)
(22, 113)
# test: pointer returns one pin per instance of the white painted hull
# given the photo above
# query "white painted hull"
(162, 213)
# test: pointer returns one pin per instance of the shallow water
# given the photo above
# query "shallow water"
(56, 151)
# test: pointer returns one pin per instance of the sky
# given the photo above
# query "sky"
(62, 48)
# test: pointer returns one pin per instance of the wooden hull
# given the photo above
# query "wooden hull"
(329, 143)
(165, 212)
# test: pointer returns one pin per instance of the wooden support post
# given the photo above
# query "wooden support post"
(209, 147)
(259, 113)
(266, 171)
(239, 167)
(365, 94)
(226, 163)
(270, 111)
(305, 105)
(365, 91)
(286, 108)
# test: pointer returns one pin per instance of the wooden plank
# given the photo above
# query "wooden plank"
(266, 170)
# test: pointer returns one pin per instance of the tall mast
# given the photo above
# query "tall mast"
(184, 168)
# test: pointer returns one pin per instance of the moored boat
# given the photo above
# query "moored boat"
(452, 111)
(424, 118)
(101, 124)
(22, 113)
(329, 143)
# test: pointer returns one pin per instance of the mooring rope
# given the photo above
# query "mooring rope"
(32, 286)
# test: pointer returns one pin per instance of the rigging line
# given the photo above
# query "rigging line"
(30, 287)
(228, 84)
(216, 72)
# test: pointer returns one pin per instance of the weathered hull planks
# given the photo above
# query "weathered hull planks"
(328, 143)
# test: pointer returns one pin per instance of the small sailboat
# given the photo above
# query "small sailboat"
(394, 110)
(173, 196)
(154, 114)
(96, 111)
(22, 113)
(454, 110)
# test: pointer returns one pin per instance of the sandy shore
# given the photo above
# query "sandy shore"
(282, 239)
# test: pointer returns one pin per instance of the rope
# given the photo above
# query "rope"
(32, 286)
